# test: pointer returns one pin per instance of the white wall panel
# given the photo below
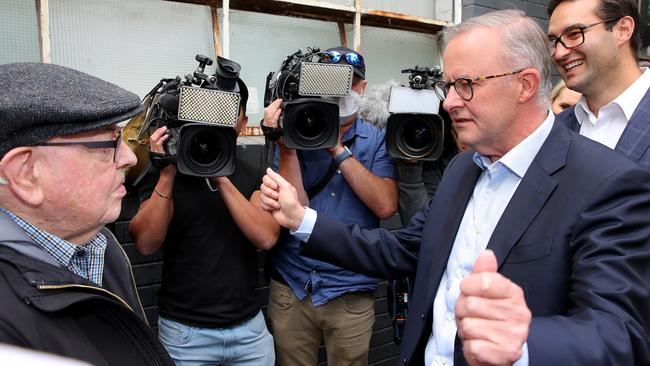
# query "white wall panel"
(18, 31)
(130, 43)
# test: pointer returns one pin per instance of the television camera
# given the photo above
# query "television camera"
(310, 119)
(414, 129)
(201, 113)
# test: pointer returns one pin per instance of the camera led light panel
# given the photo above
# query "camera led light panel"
(407, 100)
(208, 106)
(319, 79)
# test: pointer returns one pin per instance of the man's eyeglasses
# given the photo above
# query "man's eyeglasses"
(463, 86)
(572, 37)
(112, 144)
(334, 57)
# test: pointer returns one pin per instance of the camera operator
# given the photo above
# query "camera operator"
(311, 299)
(418, 179)
(209, 310)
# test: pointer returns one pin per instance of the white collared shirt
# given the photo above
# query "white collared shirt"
(492, 193)
(612, 119)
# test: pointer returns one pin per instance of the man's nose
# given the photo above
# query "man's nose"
(452, 100)
(125, 157)
(560, 52)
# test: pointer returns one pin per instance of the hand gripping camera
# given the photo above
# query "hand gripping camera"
(200, 112)
(414, 129)
(308, 121)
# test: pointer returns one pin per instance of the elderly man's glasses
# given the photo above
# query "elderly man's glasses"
(112, 144)
(572, 37)
(334, 57)
(463, 86)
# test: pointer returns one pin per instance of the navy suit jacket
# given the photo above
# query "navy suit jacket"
(575, 236)
(635, 140)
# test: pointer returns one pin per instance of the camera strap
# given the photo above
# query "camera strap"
(159, 160)
(316, 188)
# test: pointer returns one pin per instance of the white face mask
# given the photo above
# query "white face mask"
(348, 106)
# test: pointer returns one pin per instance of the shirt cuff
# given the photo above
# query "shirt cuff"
(523, 360)
(306, 225)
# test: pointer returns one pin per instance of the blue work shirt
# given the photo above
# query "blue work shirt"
(336, 200)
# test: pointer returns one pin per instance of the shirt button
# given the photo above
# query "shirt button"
(332, 194)
(404, 360)
(313, 271)
(422, 316)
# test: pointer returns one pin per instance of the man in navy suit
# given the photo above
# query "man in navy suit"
(594, 46)
(566, 277)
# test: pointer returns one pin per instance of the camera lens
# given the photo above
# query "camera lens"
(205, 148)
(310, 124)
(417, 137)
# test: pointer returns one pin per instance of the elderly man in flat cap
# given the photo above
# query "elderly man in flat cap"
(65, 283)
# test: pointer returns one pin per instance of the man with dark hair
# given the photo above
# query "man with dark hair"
(594, 44)
(65, 282)
(566, 277)
(310, 299)
(209, 310)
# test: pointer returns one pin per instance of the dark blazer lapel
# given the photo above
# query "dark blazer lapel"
(636, 136)
(531, 194)
(568, 117)
(442, 248)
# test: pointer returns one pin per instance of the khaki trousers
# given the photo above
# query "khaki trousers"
(345, 324)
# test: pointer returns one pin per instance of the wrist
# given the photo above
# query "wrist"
(336, 150)
(166, 196)
(300, 216)
(285, 150)
(342, 155)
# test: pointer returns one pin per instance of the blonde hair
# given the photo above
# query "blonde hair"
(557, 89)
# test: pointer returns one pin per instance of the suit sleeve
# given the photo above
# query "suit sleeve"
(375, 252)
(608, 321)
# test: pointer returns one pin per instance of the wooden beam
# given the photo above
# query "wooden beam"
(215, 27)
(45, 45)
(342, 35)
(357, 25)
(325, 11)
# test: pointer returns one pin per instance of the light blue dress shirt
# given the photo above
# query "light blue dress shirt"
(320, 280)
(492, 193)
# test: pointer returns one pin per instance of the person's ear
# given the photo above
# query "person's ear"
(242, 122)
(530, 80)
(624, 29)
(21, 175)
(364, 83)
(359, 84)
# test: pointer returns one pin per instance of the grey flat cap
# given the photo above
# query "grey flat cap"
(39, 101)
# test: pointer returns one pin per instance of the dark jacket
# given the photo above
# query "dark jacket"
(48, 308)
(575, 237)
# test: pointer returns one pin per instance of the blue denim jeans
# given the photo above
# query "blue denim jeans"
(245, 344)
